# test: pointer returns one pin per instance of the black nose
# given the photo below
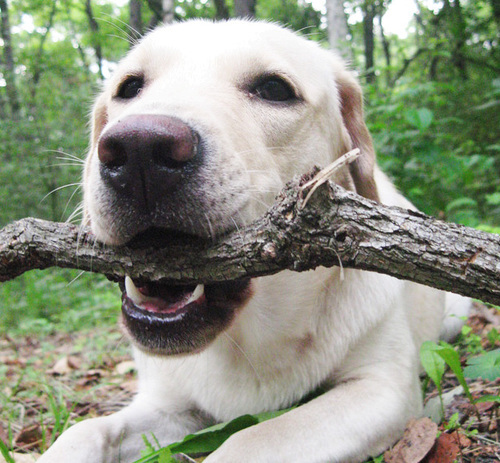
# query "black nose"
(146, 156)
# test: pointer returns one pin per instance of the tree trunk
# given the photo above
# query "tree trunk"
(244, 8)
(8, 55)
(135, 23)
(336, 227)
(221, 9)
(369, 40)
(337, 28)
(37, 71)
(168, 11)
(94, 27)
(387, 51)
(457, 34)
(156, 7)
(495, 6)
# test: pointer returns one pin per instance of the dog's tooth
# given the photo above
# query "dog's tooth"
(197, 293)
(134, 294)
(132, 291)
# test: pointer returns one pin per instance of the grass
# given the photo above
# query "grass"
(57, 300)
(64, 359)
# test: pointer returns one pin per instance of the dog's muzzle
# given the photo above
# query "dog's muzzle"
(150, 167)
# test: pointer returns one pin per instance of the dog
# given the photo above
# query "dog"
(199, 128)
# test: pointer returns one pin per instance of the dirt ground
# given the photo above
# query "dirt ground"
(50, 382)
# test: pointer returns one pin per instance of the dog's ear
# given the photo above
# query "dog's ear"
(362, 169)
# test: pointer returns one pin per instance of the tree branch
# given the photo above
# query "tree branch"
(337, 227)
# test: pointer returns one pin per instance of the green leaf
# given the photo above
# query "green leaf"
(210, 439)
(165, 456)
(489, 398)
(420, 118)
(452, 359)
(486, 366)
(5, 452)
(432, 362)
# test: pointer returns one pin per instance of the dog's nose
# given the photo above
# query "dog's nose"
(145, 156)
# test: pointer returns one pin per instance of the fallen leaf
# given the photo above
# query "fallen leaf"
(447, 448)
(125, 367)
(417, 441)
(29, 436)
(130, 386)
(65, 365)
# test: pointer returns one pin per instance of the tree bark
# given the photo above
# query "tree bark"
(94, 27)
(244, 8)
(168, 11)
(135, 9)
(337, 27)
(336, 227)
(221, 9)
(387, 51)
(9, 73)
(369, 39)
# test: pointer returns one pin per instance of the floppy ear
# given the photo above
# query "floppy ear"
(362, 169)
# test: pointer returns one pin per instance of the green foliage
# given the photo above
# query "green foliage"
(206, 440)
(298, 15)
(63, 300)
(486, 366)
(434, 356)
(5, 453)
(444, 158)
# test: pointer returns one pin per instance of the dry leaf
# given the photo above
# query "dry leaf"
(417, 441)
(125, 367)
(65, 365)
(29, 436)
(447, 448)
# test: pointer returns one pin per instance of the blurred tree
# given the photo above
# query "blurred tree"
(244, 8)
(8, 61)
(337, 27)
(136, 27)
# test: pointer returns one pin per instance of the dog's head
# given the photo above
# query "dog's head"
(199, 128)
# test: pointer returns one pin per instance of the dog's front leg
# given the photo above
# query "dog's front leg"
(118, 437)
(357, 419)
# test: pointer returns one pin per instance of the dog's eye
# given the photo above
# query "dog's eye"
(130, 88)
(274, 88)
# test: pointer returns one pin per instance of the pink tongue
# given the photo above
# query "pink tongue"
(160, 305)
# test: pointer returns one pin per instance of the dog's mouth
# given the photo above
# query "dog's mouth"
(162, 300)
(167, 319)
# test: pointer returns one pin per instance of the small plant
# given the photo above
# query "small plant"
(434, 358)
(204, 441)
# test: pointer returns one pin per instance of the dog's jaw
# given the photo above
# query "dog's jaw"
(168, 320)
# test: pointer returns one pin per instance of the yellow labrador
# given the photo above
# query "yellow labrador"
(199, 128)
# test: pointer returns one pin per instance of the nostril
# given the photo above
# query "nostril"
(175, 150)
(112, 152)
(164, 155)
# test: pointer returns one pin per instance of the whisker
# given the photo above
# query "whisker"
(60, 188)
(78, 188)
(76, 278)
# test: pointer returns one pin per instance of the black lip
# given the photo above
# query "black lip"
(189, 329)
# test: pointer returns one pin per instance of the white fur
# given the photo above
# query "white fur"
(357, 337)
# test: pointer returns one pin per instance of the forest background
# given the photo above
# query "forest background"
(432, 95)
